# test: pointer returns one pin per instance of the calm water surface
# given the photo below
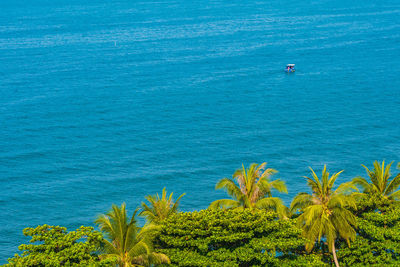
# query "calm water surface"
(103, 102)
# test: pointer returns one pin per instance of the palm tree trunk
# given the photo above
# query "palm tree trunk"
(334, 254)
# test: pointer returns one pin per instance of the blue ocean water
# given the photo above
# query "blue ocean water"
(105, 102)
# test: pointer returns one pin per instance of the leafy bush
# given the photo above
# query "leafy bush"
(233, 238)
(55, 247)
(377, 242)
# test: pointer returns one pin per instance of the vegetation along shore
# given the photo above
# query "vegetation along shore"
(356, 223)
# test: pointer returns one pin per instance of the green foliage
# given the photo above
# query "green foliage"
(325, 212)
(130, 244)
(53, 246)
(252, 189)
(160, 208)
(377, 242)
(245, 232)
(233, 238)
(370, 203)
(381, 185)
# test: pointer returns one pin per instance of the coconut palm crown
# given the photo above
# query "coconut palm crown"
(325, 212)
(380, 183)
(252, 189)
(160, 208)
(129, 244)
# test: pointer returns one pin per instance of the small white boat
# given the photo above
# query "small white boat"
(290, 68)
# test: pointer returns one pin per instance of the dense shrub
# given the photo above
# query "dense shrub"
(377, 242)
(53, 246)
(233, 238)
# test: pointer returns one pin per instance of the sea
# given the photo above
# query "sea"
(106, 102)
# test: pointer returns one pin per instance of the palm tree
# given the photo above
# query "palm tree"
(381, 184)
(129, 244)
(251, 189)
(160, 208)
(325, 212)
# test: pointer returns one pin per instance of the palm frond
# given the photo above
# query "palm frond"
(176, 204)
(279, 185)
(344, 222)
(393, 185)
(325, 212)
(118, 219)
(362, 183)
(346, 188)
(147, 212)
(342, 187)
(375, 175)
(148, 231)
(110, 249)
(229, 185)
(301, 201)
(105, 225)
(314, 182)
(224, 203)
(159, 258)
(311, 213)
(252, 185)
(273, 203)
(342, 201)
(140, 248)
(126, 242)
(395, 195)
(267, 172)
(151, 258)
(160, 207)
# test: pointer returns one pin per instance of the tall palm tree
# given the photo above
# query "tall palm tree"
(381, 184)
(251, 189)
(160, 208)
(325, 212)
(129, 244)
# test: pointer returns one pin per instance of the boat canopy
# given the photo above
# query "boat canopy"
(290, 65)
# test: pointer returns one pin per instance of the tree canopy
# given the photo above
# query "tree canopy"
(54, 246)
(160, 207)
(325, 212)
(233, 238)
(377, 242)
(380, 183)
(252, 189)
(251, 229)
(128, 243)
